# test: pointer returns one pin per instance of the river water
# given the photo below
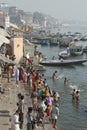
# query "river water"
(72, 116)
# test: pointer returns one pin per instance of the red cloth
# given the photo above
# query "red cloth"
(30, 60)
(21, 72)
(35, 86)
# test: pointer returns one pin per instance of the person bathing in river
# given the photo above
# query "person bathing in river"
(54, 77)
(65, 81)
(77, 96)
(73, 94)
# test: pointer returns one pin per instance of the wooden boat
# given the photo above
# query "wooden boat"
(62, 62)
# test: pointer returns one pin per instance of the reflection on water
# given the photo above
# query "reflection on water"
(75, 104)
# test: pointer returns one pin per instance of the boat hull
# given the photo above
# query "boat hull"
(63, 62)
(77, 53)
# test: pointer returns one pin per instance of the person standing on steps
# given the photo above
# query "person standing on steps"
(15, 121)
(17, 76)
(20, 105)
(30, 119)
(54, 115)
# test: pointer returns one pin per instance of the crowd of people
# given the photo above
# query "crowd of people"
(45, 102)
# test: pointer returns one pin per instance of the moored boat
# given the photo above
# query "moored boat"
(85, 49)
(64, 54)
(62, 62)
(76, 50)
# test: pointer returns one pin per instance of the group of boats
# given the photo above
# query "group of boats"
(64, 57)
(71, 51)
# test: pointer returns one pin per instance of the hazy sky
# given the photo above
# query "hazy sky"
(61, 9)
